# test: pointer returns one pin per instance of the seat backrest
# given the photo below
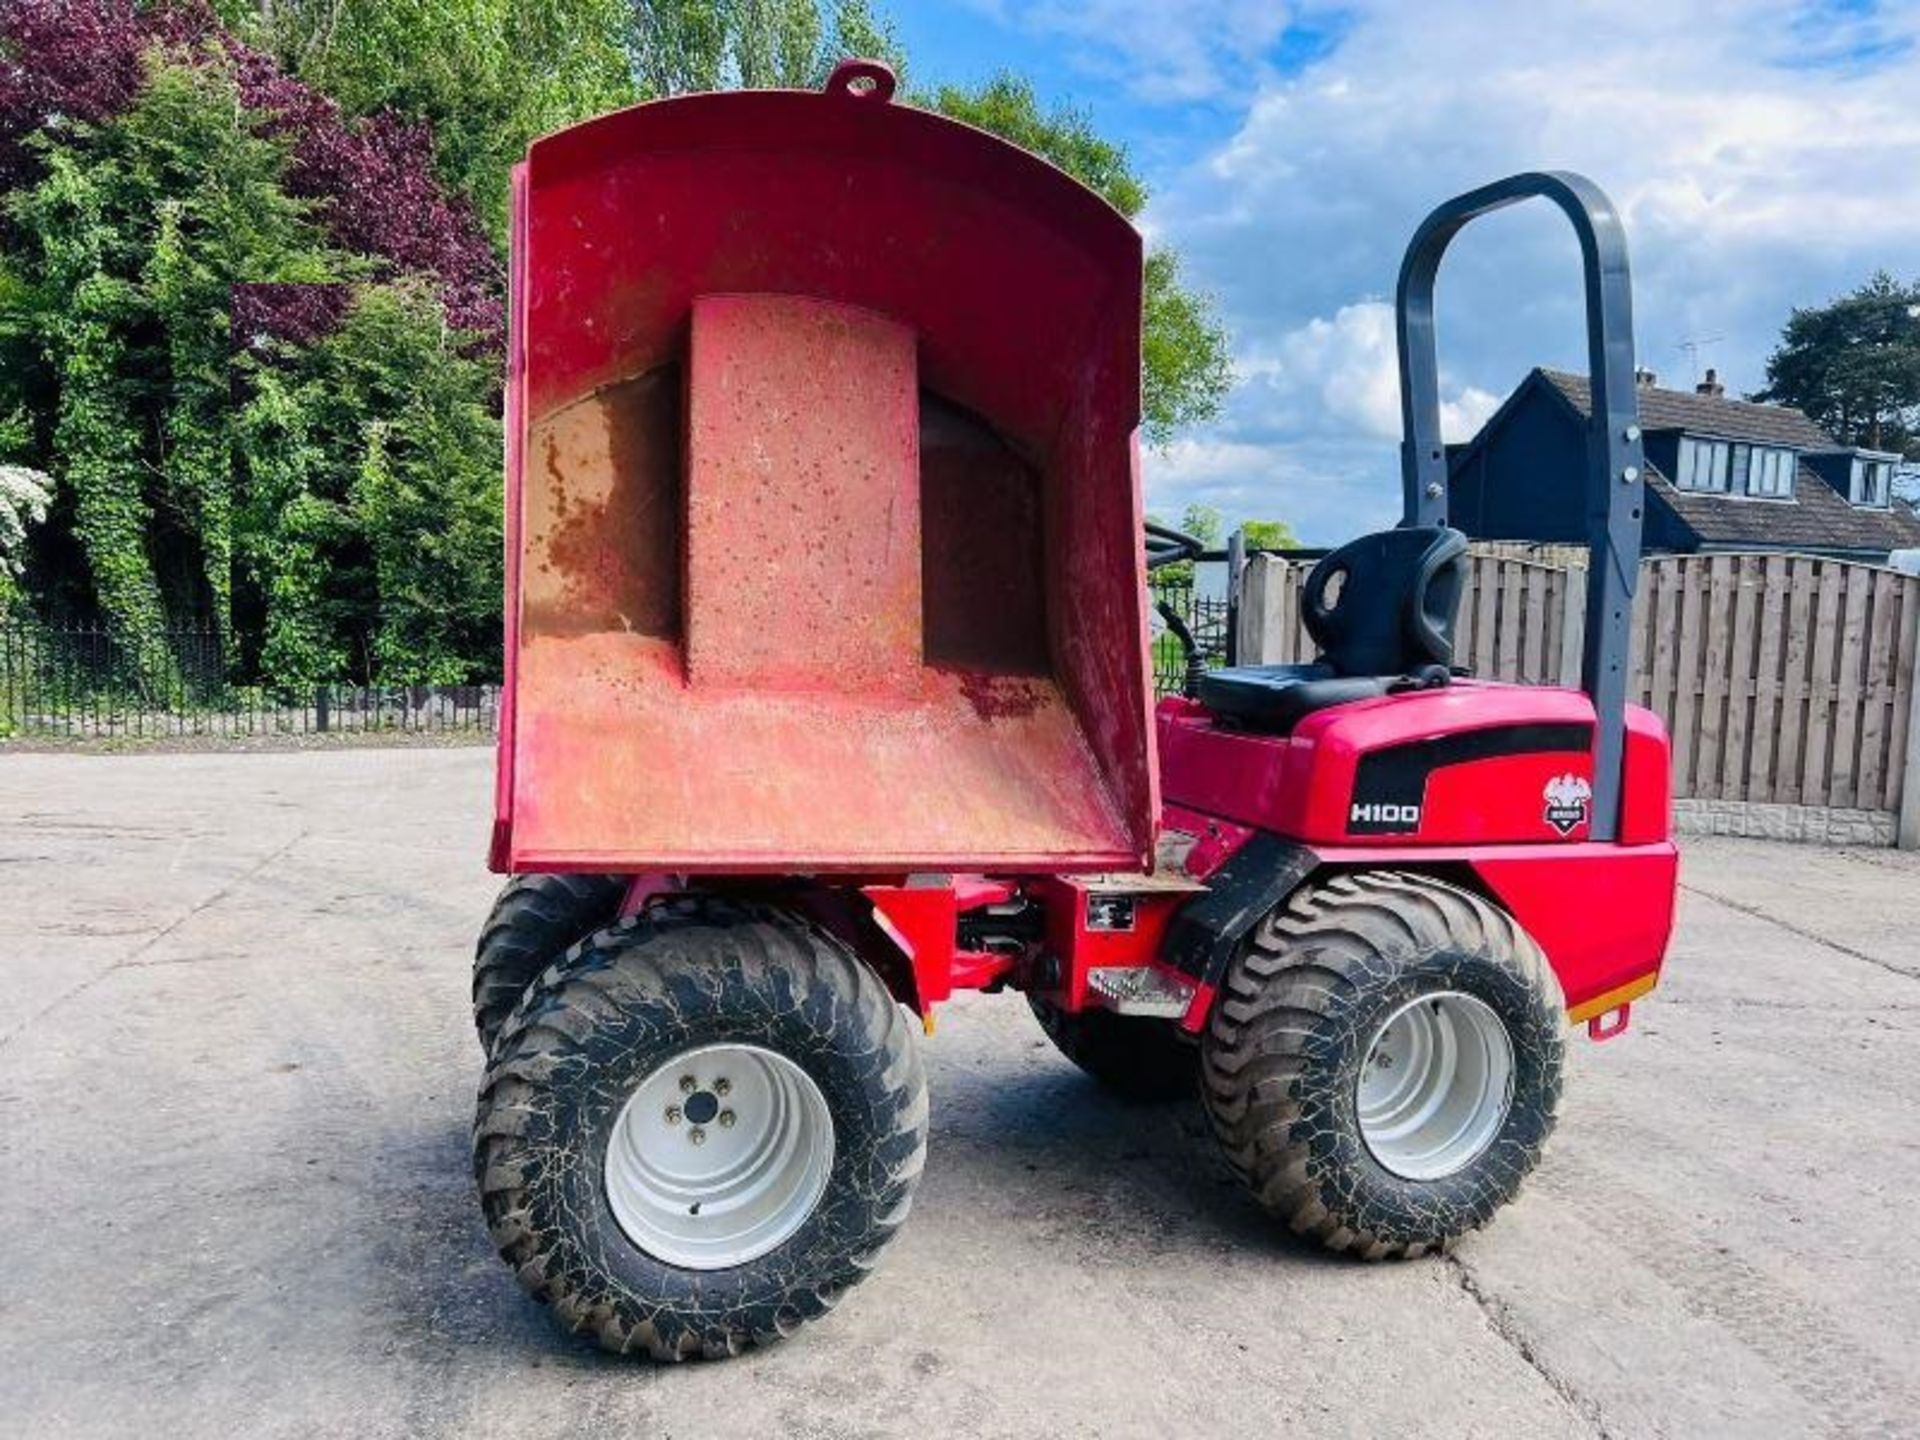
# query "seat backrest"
(1385, 604)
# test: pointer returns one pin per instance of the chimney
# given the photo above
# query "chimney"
(1645, 378)
(1711, 385)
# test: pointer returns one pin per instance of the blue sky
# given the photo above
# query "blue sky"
(1765, 154)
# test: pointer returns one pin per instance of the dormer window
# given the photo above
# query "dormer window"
(1872, 482)
(1771, 473)
(1729, 467)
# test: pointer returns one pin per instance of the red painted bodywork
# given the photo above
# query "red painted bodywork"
(1602, 913)
(1079, 949)
(1302, 784)
(823, 500)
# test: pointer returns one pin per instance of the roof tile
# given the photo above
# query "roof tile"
(1817, 517)
(1713, 415)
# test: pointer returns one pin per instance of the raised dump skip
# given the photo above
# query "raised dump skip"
(822, 498)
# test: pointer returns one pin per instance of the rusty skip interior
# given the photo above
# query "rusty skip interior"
(826, 553)
(606, 529)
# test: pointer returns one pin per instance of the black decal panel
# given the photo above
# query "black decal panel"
(1390, 784)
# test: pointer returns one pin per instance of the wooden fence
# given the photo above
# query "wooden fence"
(1783, 679)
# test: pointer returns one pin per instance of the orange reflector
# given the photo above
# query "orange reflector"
(1612, 999)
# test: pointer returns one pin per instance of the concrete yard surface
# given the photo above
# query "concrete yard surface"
(237, 1074)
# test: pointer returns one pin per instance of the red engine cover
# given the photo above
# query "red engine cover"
(1496, 778)
(1471, 764)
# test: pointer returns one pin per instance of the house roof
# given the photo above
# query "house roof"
(1817, 517)
(1713, 415)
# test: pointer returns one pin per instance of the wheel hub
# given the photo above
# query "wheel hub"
(1436, 1085)
(719, 1156)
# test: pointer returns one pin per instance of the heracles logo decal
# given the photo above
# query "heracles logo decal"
(1568, 799)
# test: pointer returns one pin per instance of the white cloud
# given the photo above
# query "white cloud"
(1342, 377)
(1764, 154)
(1323, 393)
(1162, 51)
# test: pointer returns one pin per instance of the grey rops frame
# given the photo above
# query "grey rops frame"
(1616, 469)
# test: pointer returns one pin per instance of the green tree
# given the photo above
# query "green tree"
(333, 505)
(1270, 535)
(1854, 366)
(1187, 371)
(124, 255)
(370, 500)
(424, 494)
(684, 45)
(487, 75)
(1204, 523)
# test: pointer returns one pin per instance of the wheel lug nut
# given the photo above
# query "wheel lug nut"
(723, 1086)
(726, 1119)
(688, 1084)
(697, 1135)
(673, 1114)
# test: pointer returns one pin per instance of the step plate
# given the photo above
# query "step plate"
(1139, 990)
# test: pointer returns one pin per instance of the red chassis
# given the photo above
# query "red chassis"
(1480, 784)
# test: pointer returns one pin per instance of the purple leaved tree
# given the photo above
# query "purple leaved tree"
(68, 61)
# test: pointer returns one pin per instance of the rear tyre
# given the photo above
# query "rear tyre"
(1383, 1065)
(536, 920)
(701, 1131)
(1135, 1057)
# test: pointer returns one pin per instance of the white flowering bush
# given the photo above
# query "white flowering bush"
(24, 497)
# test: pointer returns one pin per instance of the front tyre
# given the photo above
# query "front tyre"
(536, 920)
(701, 1132)
(1384, 1062)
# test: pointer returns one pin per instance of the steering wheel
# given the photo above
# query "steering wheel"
(1167, 546)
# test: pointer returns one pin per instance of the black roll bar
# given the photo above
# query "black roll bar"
(1616, 467)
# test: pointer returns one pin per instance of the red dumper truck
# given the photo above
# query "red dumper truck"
(828, 696)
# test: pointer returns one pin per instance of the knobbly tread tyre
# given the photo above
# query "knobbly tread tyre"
(1135, 1057)
(685, 973)
(536, 920)
(1295, 1018)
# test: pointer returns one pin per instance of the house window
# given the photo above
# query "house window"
(1771, 475)
(1872, 482)
(1703, 465)
(1725, 467)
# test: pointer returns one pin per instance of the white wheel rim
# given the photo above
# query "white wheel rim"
(1436, 1085)
(718, 1156)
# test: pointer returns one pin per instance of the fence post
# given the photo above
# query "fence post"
(1573, 624)
(1236, 572)
(1907, 836)
(1261, 583)
(321, 696)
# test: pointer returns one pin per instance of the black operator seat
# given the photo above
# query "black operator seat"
(1381, 610)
